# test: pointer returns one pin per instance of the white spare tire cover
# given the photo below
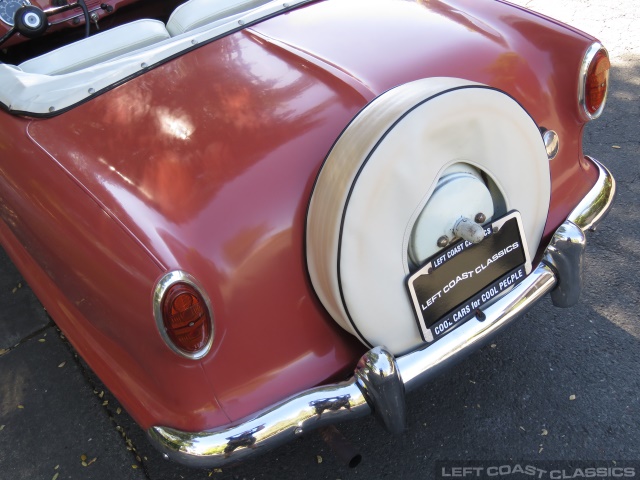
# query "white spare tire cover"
(378, 178)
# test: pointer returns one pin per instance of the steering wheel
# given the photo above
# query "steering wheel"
(31, 21)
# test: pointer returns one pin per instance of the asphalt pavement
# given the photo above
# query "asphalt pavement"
(558, 385)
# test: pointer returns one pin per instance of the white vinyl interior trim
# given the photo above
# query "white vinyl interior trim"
(380, 175)
(98, 48)
(40, 94)
(196, 13)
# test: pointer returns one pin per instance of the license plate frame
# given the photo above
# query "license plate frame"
(455, 284)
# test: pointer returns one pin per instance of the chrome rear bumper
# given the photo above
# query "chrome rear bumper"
(380, 380)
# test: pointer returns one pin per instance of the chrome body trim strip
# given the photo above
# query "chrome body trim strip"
(380, 381)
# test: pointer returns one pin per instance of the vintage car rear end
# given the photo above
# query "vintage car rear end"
(230, 220)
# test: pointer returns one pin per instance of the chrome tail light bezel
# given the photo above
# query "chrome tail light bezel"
(587, 60)
(162, 286)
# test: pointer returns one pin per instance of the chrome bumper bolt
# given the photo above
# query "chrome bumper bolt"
(443, 241)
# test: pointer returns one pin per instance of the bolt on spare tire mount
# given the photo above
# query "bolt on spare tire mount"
(442, 220)
(465, 149)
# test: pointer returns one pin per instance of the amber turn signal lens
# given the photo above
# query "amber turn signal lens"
(596, 83)
(186, 318)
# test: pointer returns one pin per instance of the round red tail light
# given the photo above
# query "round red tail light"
(594, 81)
(183, 315)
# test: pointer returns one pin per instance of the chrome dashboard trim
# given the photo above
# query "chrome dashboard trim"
(380, 380)
(73, 16)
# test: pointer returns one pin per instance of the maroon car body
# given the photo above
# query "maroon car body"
(205, 163)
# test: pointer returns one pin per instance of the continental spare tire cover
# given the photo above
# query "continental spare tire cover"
(380, 195)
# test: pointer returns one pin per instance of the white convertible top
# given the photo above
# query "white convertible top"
(73, 73)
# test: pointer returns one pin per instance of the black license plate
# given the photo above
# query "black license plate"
(455, 284)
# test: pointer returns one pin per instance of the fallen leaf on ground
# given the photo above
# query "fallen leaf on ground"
(20, 407)
(616, 146)
(318, 459)
(56, 476)
(522, 428)
(545, 432)
(62, 364)
(572, 397)
(41, 340)
(2, 427)
(118, 410)
(134, 466)
(3, 351)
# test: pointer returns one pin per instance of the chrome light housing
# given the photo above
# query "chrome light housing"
(594, 81)
(183, 315)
